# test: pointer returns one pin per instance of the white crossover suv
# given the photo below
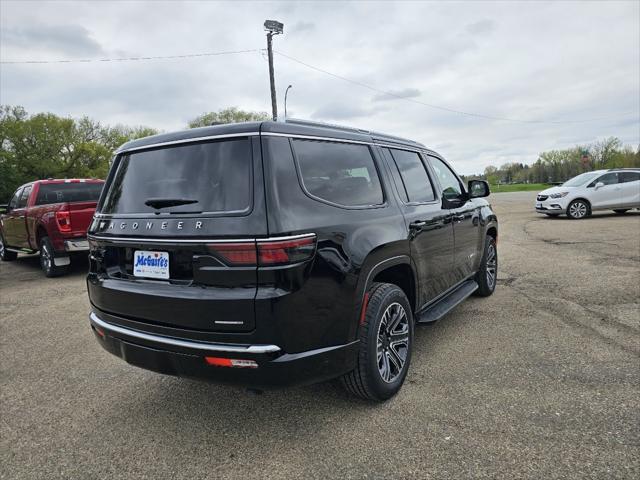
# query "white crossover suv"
(616, 189)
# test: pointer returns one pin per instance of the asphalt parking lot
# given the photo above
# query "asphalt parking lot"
(541, 380)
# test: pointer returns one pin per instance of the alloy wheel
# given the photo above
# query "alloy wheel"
(578, 209)
(393, 342)
(492, 265)
(1, 247)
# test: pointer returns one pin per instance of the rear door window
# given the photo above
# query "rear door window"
(626, 177)
(415, 180)
(24, 197)
(68, 192)
(339, 173)
(212, 177)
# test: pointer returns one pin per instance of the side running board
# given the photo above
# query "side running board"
(447, 303)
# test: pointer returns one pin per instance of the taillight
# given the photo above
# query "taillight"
(286, 251)
(266, 252)
(63, 217)
(235, 253)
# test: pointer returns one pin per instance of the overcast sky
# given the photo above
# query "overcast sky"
(531, 61)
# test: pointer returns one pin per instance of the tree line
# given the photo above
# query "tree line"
(557, 166)
(45, 145)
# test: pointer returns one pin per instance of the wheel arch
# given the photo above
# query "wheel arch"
(584, 199)
(41, 232)
(398, 270)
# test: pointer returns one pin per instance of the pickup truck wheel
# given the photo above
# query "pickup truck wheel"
(46, 259)
(6, 255)
(488, 273)
(386, 337)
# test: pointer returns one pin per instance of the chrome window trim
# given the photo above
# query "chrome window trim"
(196, 240)
(346, 140)
(187, 140)
(314, 137)
(173, 216)
(211, 347)
(274, 134)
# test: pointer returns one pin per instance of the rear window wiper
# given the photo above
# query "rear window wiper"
(168, 202)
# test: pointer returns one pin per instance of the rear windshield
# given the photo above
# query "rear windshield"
(195, 178)
(68, 192)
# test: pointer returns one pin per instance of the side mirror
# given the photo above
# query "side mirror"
(478, 188)
(598, 185)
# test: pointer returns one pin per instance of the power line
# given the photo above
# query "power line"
(128, 59)
(318, 69)
(439, 107)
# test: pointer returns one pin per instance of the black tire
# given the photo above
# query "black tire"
(487, 275)
(378, 376)
(578, 209)
(47, 262)
(6, 255)
(621, 211)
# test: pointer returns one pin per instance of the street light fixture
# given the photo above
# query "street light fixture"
(274, 27)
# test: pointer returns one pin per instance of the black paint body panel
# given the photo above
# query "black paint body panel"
(304, 307)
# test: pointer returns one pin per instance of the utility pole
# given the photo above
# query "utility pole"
(272, 28)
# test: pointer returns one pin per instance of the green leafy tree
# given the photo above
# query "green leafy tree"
(228, 115)
(561, 165)
(45, 145)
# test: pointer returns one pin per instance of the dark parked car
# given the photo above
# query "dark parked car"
(50, 217)
(283, 253)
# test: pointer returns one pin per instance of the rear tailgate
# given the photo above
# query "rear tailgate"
(191, 285)
(81, 214)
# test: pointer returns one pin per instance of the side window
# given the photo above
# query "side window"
(415, 180)
(608, 178)
(14, 200)
(626, 177)
(340, 173)
(451, 187)
(24, 197)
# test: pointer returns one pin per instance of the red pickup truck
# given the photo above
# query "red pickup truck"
(50, 217)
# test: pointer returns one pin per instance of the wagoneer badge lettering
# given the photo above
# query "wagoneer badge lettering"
(165, 225)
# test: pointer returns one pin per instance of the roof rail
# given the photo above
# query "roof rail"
(375, 135)
(309, 123)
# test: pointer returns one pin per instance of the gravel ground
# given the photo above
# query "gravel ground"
(541, 380)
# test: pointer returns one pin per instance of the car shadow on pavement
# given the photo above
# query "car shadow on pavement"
(79, 264)
(595, 215)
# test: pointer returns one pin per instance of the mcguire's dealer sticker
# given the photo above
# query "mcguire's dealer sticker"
(150, 264)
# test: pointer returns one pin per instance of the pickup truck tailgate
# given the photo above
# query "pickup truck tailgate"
(81, 214)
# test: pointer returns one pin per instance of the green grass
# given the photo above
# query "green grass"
(519, 187)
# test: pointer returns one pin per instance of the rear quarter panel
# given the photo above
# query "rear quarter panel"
(324, 301)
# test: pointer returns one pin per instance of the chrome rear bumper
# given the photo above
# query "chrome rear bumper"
(76, 245)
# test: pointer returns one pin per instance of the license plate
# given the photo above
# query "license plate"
(150, 264)
(538, 205)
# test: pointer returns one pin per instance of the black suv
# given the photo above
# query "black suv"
(283, 253)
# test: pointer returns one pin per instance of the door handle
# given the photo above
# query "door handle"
(417, 225)
(458, 218)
